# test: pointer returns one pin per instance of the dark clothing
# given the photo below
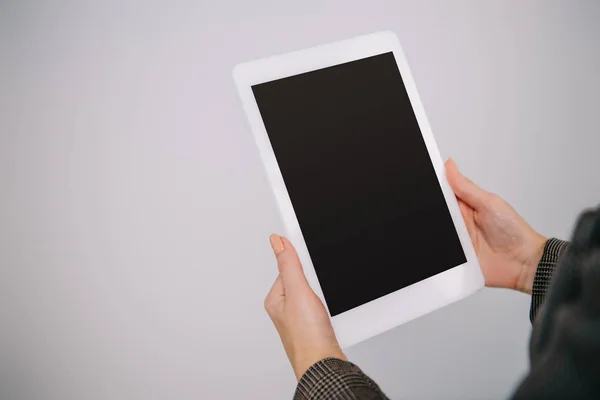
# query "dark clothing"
(564, 350)
(565, 342)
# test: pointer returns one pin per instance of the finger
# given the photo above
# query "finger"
(464, 188)
(275, 297)
(288, 263)
(467, 213)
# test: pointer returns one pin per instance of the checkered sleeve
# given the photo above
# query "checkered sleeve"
(544, 273)
(332, 378)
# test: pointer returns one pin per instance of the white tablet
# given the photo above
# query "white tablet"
(359, 182)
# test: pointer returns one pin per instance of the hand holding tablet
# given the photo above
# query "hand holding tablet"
(360, 183)
(298, 314)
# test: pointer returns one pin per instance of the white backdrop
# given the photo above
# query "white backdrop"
(134, 212)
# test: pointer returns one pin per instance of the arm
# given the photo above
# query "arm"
(565, 342)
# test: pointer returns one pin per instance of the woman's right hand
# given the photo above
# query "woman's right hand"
(508, 249)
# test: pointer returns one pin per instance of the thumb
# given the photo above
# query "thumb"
(288, 263)
(464, 188)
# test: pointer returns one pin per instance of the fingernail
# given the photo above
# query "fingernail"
(276, 243)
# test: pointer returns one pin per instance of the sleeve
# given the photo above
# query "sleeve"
(564, 350)
(553, 250)
(332, 378)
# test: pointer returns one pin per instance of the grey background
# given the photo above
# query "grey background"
(134, 212)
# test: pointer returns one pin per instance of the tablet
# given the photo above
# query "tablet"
(359, 182)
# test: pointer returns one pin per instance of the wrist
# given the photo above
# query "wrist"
(529, 268)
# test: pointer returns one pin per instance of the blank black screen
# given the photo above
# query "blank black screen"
(360, 179)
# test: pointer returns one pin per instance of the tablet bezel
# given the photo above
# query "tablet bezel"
(403, 305)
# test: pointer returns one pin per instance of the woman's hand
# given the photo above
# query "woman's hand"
(508, 249)
(298, 314)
